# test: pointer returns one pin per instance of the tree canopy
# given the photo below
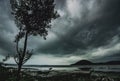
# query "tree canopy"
(34, 16)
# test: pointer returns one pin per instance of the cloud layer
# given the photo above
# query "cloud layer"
(87, 29)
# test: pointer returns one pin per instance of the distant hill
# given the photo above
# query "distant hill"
(86, 62)
(83, 62)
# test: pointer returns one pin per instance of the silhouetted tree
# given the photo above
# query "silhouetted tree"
(33, 17)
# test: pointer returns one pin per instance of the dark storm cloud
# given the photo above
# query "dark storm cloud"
(108, 23)
(85, 26)
(114, 57)
(7, 30)
(6, 46)
(94, 31)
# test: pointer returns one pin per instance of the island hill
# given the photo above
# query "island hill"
(86, 62)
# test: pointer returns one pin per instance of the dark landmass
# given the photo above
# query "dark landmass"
(86, 62)
(83, 62)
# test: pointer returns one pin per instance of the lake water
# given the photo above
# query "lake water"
(105, 68)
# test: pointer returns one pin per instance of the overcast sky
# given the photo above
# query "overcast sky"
(87, 29)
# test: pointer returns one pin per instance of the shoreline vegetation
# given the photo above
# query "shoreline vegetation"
(80, 74)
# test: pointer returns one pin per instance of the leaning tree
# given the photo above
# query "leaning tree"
(32, 17)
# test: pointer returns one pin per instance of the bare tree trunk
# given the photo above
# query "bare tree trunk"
(19, 72)
(25, 45)
(21, 60)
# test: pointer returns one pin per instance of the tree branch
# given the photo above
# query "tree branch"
(25, 45)
(16, 60)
